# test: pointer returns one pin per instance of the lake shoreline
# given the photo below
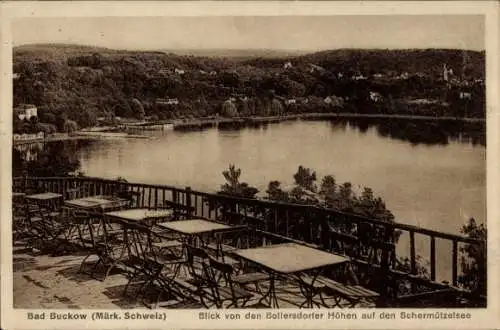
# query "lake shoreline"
(240, 122)
(121, 131)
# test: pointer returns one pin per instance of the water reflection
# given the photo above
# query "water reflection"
(433, 176)
(47, 159)
(416, 132)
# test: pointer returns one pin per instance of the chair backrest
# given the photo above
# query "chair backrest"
(139, 240)
(213, 270)
(78, 217)
(129, 195)
(220, 266)
(192, 253)
(72, 193)
(237, 237)
(180, 210)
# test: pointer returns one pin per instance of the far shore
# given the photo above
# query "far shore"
(119, 130)
(179, 123)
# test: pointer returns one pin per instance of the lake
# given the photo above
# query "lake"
(429, 174)
(433, 185)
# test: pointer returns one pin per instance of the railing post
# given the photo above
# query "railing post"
(188, 198)
(433, 258)
(455, 263)
(413, 261)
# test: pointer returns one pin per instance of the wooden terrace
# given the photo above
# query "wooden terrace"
(237, 247)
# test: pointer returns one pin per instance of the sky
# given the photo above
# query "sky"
(309, 33)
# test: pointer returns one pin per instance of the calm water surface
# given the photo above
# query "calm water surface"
(437, 187)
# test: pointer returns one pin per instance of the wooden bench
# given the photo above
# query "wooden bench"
(352, 294)
(437, 298)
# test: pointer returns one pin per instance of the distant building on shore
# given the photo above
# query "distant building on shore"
(465, 96)
(168, 101)
(375, 97)
(26, 111)
(334, 100)
(315, 68)
(358, 76)
(179, 71)
(447, 73)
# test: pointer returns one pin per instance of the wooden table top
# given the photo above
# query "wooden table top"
(290, 258)
(97, 201)
(45, 196)
(194, 226)
(140, 214)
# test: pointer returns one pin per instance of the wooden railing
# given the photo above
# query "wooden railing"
(372, 244)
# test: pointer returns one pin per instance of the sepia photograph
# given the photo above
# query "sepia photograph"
(218, 162)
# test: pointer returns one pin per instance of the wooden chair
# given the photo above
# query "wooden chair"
(196, 286)
(131, 196)
(181, 211)
(107, 245)
(228, 291)
(50, 229)
(72, 193)
(340, 294)
(227, 242)
(138, 240)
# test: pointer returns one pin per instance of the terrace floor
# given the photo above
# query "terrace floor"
(46, 282)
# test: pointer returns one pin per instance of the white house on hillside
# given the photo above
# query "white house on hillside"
(168, 101)
(287, 65)
(465, 96)
(375, 96)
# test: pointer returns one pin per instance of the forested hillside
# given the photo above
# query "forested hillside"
(82, 84)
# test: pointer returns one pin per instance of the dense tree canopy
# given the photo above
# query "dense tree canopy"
(82, 83)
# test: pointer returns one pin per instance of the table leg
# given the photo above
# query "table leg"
(271, 294)
(307, 289)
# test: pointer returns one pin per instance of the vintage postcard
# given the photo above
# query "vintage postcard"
(248, 165)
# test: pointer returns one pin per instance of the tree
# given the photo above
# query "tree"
(275, 193)
(17, 124)
(234, 187)
(55, 159)
(229, 109)
(305, 178)
(137, 109)
(70, 126)
(346, 196)
(47, 128)
(328, 190)
(276, 107)
(474, 259)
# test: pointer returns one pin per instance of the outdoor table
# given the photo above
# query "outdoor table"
(47, 199)
(123, 217)
(100, 202)
(192, 228)
(147, 216)
(144, 216)
(290, 259)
